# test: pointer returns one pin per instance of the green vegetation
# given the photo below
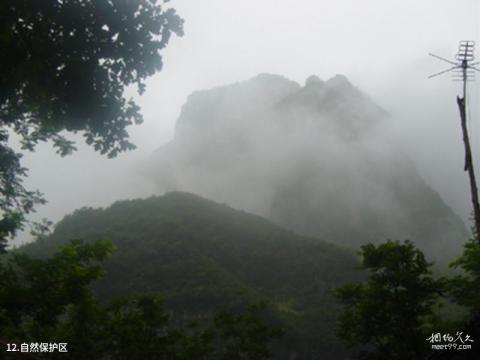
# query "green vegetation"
(385, 315)
(50, 301)
(203, 256)
(393, 313)
(65, 65)
(464, 287)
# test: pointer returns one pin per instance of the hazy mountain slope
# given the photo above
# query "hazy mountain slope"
(201, 255)
(315, 159)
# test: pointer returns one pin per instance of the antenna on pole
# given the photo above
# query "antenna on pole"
(463, 70)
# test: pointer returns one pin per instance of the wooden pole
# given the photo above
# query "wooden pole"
(468, 155)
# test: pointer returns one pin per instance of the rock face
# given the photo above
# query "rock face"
(314, 159)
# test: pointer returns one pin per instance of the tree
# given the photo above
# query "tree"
(383, 317)
(64, 67)
(36, 294)
(464, 287)
(50, 300)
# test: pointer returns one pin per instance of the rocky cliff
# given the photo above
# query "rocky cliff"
(313, 158)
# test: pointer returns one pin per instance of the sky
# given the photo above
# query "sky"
(382, 46)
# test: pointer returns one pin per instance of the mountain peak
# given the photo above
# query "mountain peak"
(293, 153)
(339, 79)
(313, 80)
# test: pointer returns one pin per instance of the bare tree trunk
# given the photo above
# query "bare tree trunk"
(469, 167)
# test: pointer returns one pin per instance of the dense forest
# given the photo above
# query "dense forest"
(202, 256)
(199, 256)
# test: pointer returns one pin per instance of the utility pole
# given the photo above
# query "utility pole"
(464, 71)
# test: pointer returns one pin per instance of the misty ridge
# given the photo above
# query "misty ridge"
(319, 159)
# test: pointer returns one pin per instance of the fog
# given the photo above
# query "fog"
(319, 158)
(382, 47)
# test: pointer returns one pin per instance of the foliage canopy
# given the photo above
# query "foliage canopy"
(202, 256)
(51, 300)
(383, 317)
(65, 65)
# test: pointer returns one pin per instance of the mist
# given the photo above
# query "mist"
(381, 47)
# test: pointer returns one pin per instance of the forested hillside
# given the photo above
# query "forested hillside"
(201, 256)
